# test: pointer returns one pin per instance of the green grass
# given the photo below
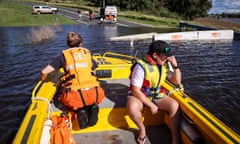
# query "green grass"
(125, 15)
(149, 20)
(13, 14)
(132, 16)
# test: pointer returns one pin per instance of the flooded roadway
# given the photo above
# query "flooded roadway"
(210, 68)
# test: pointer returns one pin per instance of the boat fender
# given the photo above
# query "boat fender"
(45, 138)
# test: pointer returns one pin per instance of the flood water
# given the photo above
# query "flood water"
(210, 69)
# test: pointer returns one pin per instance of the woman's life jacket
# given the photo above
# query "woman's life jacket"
(154, 76)
(79, 69)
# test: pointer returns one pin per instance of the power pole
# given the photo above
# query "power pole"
(103, 3)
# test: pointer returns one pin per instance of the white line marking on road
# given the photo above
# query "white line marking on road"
(79, 21)
(122, 25)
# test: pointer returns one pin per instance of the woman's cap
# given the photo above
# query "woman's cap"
(160, 47)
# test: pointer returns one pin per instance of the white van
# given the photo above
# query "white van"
(108, 14)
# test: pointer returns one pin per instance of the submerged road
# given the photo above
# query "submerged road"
(84, 19)
(72, 14)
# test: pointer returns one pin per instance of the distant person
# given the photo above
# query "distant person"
(90, 14)
(146, 89)
(80, 90)
(110, 16)
(79, 14)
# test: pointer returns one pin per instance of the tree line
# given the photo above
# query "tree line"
(227, 15)
(185, 9)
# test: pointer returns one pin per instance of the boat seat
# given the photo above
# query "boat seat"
(116, 93)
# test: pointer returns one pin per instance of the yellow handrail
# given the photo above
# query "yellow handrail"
(117, 55)
(36, 87)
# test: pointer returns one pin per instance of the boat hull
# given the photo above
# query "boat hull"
(114, 124)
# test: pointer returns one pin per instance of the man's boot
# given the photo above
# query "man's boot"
(82, 118)
(93, 114)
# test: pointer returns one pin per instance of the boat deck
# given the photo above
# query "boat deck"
(155, 135)
(116, 95)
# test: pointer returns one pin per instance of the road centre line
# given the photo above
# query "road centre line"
(122, 25)
(79, 21)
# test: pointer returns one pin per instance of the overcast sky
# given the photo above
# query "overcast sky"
(226, 6)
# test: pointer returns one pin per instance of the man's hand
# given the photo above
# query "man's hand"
(48, 69)
(43, 77)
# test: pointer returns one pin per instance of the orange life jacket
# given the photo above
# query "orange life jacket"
(80, 88)
(60, 134)
(79, 65)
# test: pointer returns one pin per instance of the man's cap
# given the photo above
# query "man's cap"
(160, 47)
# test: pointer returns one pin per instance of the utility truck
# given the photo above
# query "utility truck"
(108, 14)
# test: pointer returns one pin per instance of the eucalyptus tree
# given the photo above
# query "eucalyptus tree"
(189, 9)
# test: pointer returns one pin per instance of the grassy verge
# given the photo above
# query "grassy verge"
(148, 19)
(217, 23)
(21, 15)
(13, 14)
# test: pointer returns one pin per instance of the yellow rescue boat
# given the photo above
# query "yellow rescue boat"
(114, 125)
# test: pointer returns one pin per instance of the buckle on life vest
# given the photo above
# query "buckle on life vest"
(160, 95)
(150, 98)
(84, 89)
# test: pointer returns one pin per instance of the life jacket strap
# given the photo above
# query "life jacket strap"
(96, 88)
(65, 78)
(82, 98)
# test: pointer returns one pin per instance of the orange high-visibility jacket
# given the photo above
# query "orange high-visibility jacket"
(79, 63)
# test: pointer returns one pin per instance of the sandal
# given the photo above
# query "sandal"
(141, 140)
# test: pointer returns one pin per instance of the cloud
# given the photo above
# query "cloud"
(225, 6)
(232, 3)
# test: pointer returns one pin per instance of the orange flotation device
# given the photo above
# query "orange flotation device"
(81, 88)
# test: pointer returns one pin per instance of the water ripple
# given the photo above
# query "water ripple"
(210, 69)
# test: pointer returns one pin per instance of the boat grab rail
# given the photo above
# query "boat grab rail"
(36, 88)
(218, 131)
(116, 55)
(180, 88)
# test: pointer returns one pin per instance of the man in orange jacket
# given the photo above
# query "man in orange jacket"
(81, 91)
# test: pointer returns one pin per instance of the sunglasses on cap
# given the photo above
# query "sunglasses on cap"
(166, 50)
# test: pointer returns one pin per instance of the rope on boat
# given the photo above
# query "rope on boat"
(179, 88)
(47, 101)
(173, 90)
